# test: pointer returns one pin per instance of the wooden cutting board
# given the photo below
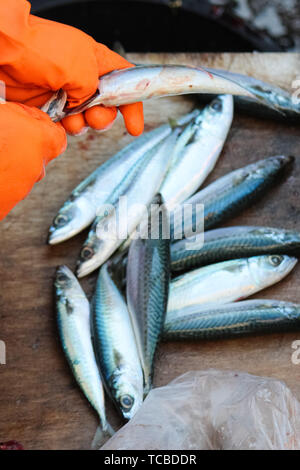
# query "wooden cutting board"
(40, 403)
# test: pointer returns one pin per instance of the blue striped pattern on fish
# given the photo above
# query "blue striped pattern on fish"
(232, 320)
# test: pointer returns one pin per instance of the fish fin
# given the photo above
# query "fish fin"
(101, 436)
(146, 391)
(173, 123)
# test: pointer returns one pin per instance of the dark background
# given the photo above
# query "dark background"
(182, 25)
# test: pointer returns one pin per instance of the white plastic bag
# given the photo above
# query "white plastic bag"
(214, 410)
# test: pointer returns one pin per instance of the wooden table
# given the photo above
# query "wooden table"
(40, 403)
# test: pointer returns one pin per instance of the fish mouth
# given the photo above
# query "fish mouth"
(76, 221)
(130, 414)
(99, 257)
(56, 236)
(285, 160)
(84, 268)
(289, 265)
(289, 160)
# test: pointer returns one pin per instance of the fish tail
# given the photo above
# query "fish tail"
(173, 123)
(147, 386)
(257, 94)
(102, 435)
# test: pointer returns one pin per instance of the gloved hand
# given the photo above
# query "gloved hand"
(29, 140)
(38, 57)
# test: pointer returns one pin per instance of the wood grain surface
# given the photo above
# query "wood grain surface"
(40, 403)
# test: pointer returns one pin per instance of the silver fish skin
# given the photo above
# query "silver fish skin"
(148, 276)
(233, 320)
(227, 281)
(279, 99)
(81, 207)
(229, 194)
(73, 318)
(233, 242)
(195, 157)
(144, 82)
(139, 186)
(115, 346)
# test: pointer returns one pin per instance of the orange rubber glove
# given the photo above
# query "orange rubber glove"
(29, 140)
(38, 57)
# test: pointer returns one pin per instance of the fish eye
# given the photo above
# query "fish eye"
(126, 401)
(61, 220)
(275, 260)
(217, 105)
(62, 278)
(87, 253)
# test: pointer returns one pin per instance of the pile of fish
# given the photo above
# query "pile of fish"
(186, 281)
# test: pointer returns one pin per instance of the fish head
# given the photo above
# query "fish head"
(218, 115)
(271, 166)
(129, 397)
(88, 258)
(67, 289)
(263, 170)
(269, 269)
(64, 278)
(66, 285)
(96, 250)
(290, 239)
(74, 216)
(222, 104)
(54, 107)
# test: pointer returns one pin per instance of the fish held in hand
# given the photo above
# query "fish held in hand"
(153, 81)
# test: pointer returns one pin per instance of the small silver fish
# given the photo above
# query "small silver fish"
(197, 151)
(229, 194)
(233, 242)
(148, 275)
(234, 319)
(227, 281)
(73, 318)
(115, 346)
(152, 81)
